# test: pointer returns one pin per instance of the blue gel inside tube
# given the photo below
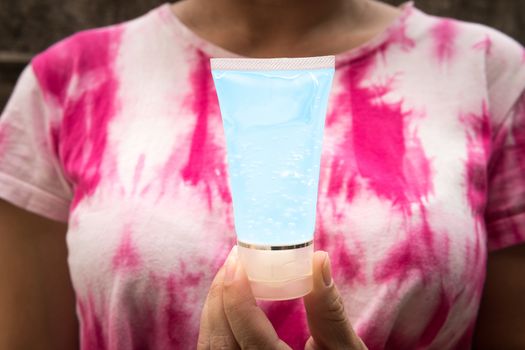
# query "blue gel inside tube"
(273, 113)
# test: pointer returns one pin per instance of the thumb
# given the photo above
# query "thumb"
(327, 319)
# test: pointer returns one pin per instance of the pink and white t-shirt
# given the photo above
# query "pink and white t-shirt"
(117, 131)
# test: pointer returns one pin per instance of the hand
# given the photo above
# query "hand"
(231, 318)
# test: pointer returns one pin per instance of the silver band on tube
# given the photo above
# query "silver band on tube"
(274, 247)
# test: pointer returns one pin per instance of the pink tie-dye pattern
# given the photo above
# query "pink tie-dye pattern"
(175, 315)
(388, 174)
(398, 33)
(506, 168)
(126, 257)
(398, 171)
(139, 168)
(206, 160)
(518, 131)
(343, 163)
(382, 159)
(178, 309)
(414, 255)
(347, 265)
(289, 320)
(478, 152)
(335, 184)
(484, 45)
(83, 132)
(479, 146)
(402, 339)
(444, 34)
(518, 135)
(92, 332)
(437, 320)
(55, 72)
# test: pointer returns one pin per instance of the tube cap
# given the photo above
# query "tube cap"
(278, 273)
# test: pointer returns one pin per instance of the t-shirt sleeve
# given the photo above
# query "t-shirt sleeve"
(30, 173)
(505, 213)
(505, 210)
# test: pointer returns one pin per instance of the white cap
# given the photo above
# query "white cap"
(278, 272)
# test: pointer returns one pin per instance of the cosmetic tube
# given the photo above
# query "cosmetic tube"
(273, 112)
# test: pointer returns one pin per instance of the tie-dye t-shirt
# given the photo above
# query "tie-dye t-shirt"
(117, 131)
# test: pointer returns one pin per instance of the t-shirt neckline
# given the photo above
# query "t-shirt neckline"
(176, 26)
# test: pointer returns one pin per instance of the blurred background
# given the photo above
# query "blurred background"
(29, 26)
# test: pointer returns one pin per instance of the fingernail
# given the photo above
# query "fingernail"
(230, 266)
(327, 271)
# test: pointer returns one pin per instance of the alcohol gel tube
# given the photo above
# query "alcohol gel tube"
(273, 111)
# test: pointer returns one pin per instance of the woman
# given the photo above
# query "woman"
(116, 132)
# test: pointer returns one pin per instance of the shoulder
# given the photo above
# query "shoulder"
(475, 49)
(504, 67)
(82, 54)
(502, 52)
(463, 35)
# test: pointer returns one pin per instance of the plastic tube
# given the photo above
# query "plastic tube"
(273, 112)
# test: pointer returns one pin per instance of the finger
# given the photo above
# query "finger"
(204, 328)
(215, 330)
(249, 324)
(203, 342)
(327, 319)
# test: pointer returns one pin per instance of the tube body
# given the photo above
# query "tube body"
(273, 112)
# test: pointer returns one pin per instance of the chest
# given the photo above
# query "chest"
(401, 184)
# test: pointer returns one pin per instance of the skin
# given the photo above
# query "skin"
(501, 321)
(37, 303)
(36, 296)
(291, 28)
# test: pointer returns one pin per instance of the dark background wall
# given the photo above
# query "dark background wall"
(29, 26)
